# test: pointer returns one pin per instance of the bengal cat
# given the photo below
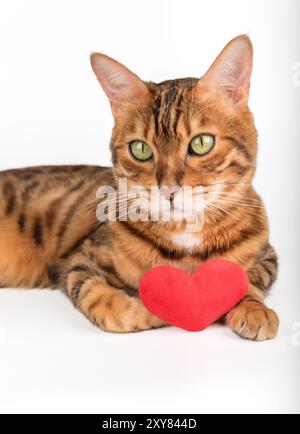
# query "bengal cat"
(185, 132)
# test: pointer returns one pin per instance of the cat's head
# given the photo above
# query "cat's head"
(187, 132)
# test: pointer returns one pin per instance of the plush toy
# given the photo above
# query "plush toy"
(193, 302)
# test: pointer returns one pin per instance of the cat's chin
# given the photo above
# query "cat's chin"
(186, 240)
(174, 231)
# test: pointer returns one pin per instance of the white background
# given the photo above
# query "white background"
(53, 111)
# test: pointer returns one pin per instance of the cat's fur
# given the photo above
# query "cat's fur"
(49, 236)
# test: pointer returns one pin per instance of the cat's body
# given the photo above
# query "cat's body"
(45, 213)
(50, 236)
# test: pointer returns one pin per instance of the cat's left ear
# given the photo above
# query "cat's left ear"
(231, 71)
(120, 85)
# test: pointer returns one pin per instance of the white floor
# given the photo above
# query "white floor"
(53, 360)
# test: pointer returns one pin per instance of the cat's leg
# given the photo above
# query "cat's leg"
(251, 319)
(111, 309)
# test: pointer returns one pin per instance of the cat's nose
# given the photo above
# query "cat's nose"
(169, 191)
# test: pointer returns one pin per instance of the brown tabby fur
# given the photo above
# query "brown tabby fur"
(49, 236)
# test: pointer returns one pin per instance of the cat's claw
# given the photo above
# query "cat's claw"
(257, 323)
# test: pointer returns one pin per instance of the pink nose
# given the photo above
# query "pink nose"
(169, 191)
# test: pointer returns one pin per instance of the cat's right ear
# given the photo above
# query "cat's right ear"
(120, 85)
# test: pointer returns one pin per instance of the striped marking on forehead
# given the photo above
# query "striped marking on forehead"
(168, 107)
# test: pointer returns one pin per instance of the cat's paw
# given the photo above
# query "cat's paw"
(253, 321)
(114, 311)
(128, 316)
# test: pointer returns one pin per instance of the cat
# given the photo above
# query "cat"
(185, 132)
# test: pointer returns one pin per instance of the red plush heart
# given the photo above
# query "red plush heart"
(193, 302)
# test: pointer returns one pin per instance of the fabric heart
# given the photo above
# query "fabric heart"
(193, 302)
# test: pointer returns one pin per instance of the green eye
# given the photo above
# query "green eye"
(140, 150)
(201, 145)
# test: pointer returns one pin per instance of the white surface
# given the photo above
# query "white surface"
(52, 111)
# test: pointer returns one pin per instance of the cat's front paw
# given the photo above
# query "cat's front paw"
(254, 321)
(114, 311)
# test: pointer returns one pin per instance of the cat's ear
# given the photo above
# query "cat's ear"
(120, 85)
(231, 71)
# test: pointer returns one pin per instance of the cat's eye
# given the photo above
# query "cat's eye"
(202, 144)
(140, 150)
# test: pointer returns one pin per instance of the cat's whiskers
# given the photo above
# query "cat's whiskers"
(236, 194)
(240, 203)
(110, 198)
(245, 181)
(241, 199)
(219, 208)
(226, 207)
